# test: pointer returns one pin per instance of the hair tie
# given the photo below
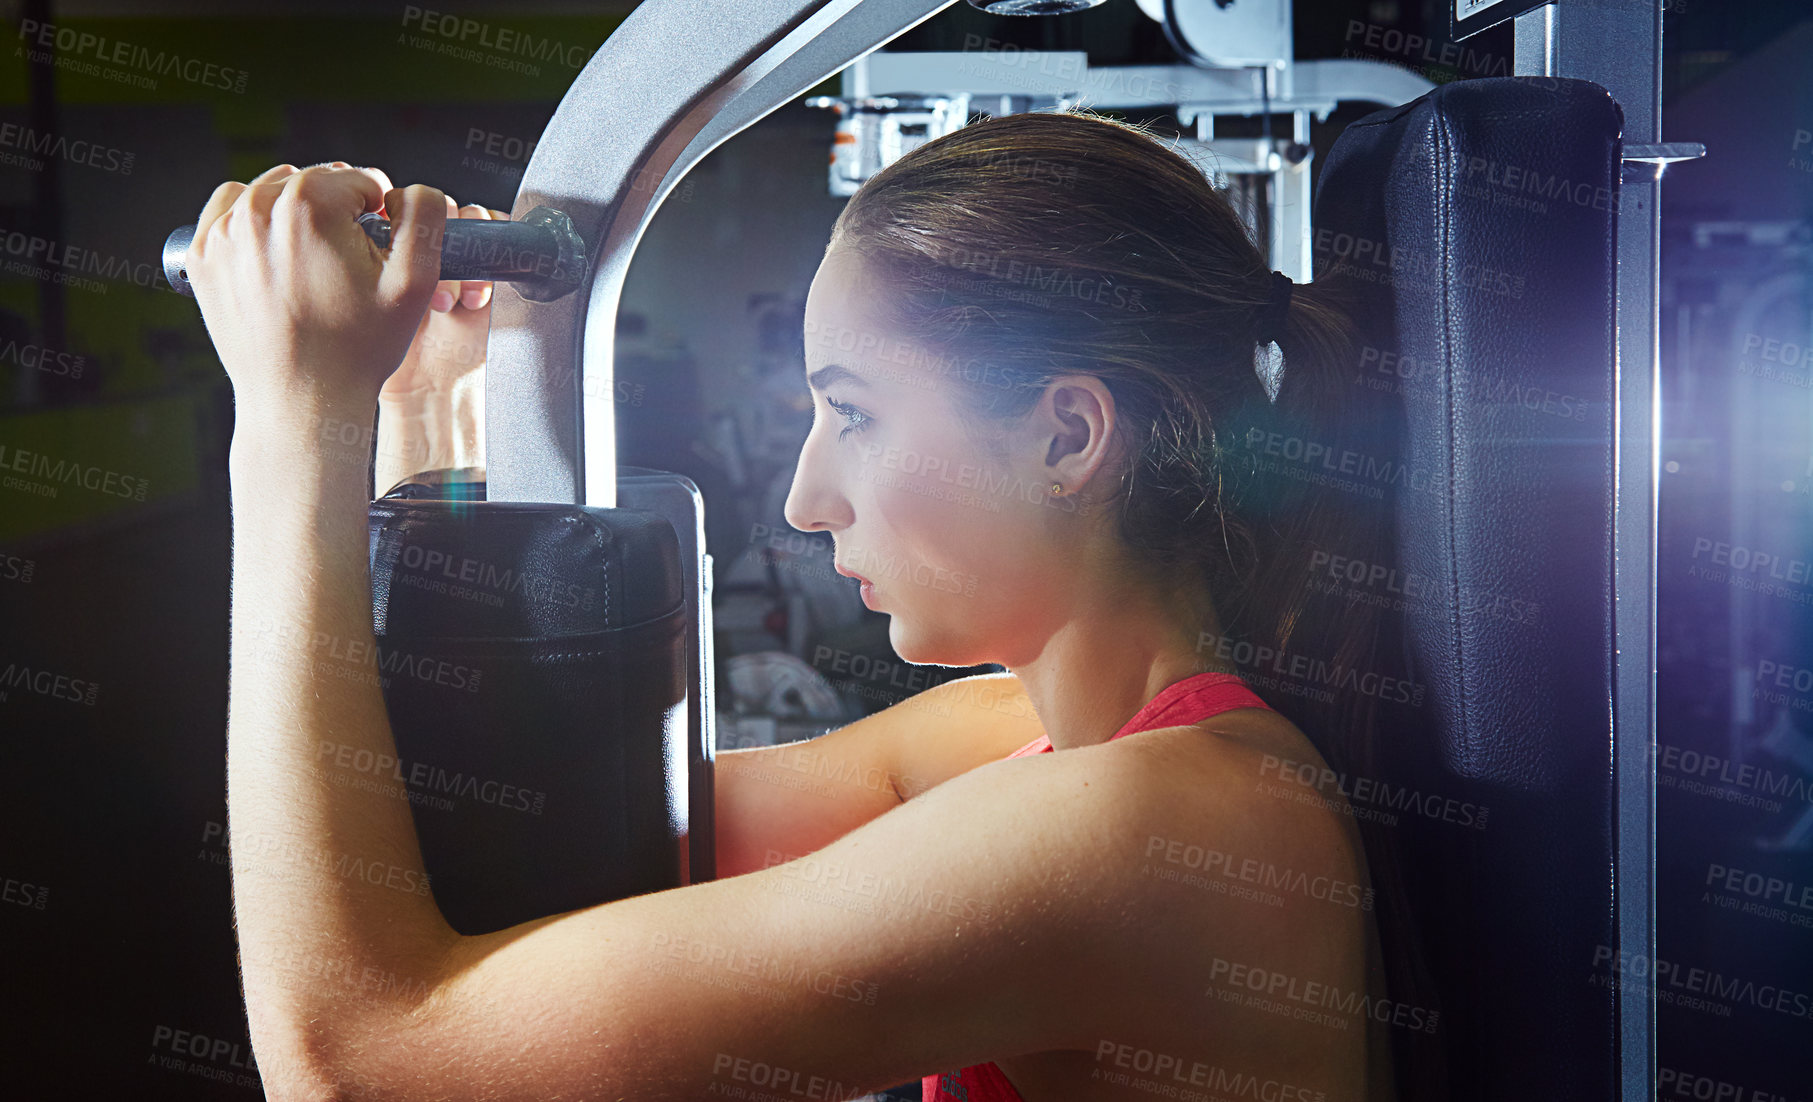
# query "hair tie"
(1268, 327)
(1268, 323)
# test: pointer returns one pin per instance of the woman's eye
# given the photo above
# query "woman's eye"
(858, 420)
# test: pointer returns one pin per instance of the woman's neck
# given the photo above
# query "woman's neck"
(1110, 658)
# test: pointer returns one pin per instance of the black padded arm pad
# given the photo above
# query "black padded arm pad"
(535, 672)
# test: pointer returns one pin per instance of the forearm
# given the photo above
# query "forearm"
(430, 428)
(337, 929)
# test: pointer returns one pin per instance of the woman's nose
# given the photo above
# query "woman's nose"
(815, 501)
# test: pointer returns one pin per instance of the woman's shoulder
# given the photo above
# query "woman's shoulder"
(1211, 863)
(1238, 773)
(1247, 784)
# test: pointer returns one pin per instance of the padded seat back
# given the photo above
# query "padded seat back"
(1476, 228)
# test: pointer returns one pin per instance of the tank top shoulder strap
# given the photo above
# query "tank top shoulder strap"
(1178, 704)
(1191, 700)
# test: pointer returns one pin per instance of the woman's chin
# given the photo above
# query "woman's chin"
(921, 649)
(910, 645)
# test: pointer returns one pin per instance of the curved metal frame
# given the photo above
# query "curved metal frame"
(662, 92)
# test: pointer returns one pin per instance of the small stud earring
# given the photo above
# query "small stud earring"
(1057, 489)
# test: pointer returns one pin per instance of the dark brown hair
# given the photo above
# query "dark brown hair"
(1049, 243)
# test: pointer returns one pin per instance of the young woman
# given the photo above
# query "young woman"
(1031, 346)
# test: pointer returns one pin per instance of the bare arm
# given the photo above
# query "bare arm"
(329, 893)
(430, 429)
(805, 795)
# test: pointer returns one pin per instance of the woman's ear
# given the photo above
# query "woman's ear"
(1079, 423)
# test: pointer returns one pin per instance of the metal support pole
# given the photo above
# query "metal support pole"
(1619, 46)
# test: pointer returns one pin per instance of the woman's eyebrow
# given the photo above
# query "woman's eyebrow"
(831, 373)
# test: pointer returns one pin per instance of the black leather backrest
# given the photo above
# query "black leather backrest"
(1477, 225)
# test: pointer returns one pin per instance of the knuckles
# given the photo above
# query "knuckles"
(302, 203)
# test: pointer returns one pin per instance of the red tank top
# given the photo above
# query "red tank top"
(1177, 705)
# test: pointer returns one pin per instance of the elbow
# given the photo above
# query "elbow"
(298, 1062)
(329, 1043)
(290, 1080)
(299, 1091)
(322, 1081)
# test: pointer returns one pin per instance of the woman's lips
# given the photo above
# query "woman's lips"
(867, 589)
(850, 573)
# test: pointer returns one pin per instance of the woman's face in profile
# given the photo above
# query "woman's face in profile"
(958, 543)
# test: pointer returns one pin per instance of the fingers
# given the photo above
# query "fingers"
(385, 187)
(418, 215)
(272, 183)
(475, 293)
(447, 291)
(211, 212)
(377, 176)
(335, 194)
(275, 172)
(260, 196)
(222, 201)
